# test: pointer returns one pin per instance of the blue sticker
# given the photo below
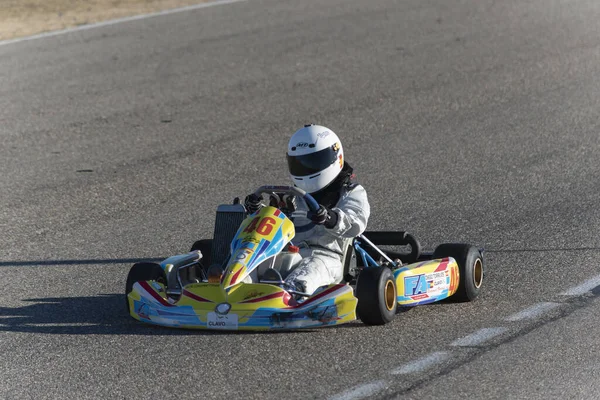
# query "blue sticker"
(414, 285)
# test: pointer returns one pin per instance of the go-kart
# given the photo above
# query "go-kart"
(235, 281)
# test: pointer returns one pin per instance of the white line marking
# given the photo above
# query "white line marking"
(62, 324)
(422, 363)
(478, 337)
(361, 391)
(532, 312)
(118, 21)
(583, 288)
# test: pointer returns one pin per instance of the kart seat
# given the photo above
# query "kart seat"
(349, 261)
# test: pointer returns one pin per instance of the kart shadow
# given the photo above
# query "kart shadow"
(93, 261)
(95, 315)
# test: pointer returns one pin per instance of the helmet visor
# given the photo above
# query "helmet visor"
(310, 164)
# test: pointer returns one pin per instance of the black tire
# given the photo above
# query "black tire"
(377, 296)
(143, 272)
(470, 267)
(205, 247)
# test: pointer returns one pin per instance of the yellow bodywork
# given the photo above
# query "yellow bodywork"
(427, 281)
(255, 306)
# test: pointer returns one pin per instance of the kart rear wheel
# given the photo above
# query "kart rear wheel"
(470, 267)
(377, 296)
(144, 271)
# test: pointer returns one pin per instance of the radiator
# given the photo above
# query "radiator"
(228, 220)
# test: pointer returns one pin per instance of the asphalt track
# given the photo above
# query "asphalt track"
(466, 120)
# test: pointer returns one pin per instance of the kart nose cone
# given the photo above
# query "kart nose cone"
(223, 308)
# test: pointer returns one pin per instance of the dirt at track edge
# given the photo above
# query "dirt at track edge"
(21, 18)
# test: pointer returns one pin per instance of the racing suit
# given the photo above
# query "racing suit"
(322, 248)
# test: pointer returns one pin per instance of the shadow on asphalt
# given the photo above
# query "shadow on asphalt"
(96, 315)
(539, 250)
(78, 262)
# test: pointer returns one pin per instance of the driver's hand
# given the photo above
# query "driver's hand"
(324, 216)
(288, 205)
(290, 202)
(252, 203)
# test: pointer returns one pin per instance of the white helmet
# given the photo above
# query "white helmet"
(315, 157)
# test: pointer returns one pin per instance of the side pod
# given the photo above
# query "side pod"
(427, 281)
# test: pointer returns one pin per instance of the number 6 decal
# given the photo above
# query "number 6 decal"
(266, 226)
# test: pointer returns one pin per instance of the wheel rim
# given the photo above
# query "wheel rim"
(478, 273)
(390, 295)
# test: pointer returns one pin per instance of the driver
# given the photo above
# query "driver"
(316, 164)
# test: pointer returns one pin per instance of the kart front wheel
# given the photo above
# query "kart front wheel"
(377, 296)
(143, 272)
(470, 268)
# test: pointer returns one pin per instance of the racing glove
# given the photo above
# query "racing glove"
(324, 216)
(287, 205)
(252, 203)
